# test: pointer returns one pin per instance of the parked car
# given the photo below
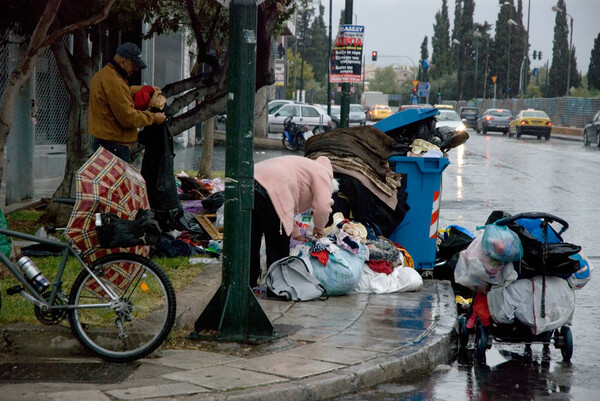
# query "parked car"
(449, 118)
(275, 105)
(531, 122)
(494, 120)
(313, 116)
(591, 132)
(469, 116)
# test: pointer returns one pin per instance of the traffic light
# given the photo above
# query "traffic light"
(374, 55)
(534, 54)
(540, 55)
(440, 92)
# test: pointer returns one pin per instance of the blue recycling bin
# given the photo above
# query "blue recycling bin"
(418, 231)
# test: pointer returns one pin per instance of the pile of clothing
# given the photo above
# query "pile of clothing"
(370, 192)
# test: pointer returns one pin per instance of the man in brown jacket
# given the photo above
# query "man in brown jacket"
(113, 120)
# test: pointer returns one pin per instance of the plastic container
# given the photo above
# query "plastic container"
(418, 231)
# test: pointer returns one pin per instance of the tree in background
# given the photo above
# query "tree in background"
(593, 74)
(295, 63)
(317, 40)
(575, 77)
(424, 73)
(384, 81)
(560, 53)
(440, 43)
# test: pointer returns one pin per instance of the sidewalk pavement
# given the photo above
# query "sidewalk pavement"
(331, 347)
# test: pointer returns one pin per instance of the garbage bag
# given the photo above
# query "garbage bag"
(477, 271)
(342, 272)
(114, 232)
(157, 167)
(522, 300)
(500, 243)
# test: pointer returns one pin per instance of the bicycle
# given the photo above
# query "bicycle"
(121, 307)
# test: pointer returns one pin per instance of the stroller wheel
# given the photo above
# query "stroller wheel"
(463, 334)
(481, 342)
(566, 348)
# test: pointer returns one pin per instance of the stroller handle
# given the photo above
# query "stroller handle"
(549, 218)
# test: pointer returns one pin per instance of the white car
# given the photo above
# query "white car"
(313, 116)
(449, 118)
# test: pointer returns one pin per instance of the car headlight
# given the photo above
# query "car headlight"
(460, 127)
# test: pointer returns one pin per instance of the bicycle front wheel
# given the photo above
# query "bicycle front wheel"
(133, 325)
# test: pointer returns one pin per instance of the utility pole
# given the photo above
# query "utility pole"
(329, 63)
(234, 311)
(345, 106)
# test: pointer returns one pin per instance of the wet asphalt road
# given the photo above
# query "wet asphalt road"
(494, 172)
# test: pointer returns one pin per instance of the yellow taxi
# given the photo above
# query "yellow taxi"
(531, 122)
(379, 112)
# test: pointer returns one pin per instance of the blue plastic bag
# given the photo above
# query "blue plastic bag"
(501, 243)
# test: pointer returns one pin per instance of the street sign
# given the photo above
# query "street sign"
(423, 93)
(415, 83)
(346, 56)
(535, 72)
(423, 86)
(494, 78)
(414, 100)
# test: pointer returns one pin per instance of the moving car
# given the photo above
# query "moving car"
(443, 106)
(449, 118)
(531, 122)
(312, 116)
(415, 106)
(494, 120)
(380, 111)
(469, 116)
(591, 132)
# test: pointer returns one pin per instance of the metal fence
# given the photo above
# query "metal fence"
(51, 104)
(563, 111)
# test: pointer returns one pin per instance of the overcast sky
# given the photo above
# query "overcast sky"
(397, 27)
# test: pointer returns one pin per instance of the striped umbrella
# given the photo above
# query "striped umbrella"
(105, 183)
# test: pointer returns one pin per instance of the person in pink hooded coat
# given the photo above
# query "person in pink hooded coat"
(285, 186)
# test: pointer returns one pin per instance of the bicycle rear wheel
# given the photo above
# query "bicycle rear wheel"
(137, 322)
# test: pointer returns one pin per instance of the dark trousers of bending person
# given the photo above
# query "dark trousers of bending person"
(265, 221)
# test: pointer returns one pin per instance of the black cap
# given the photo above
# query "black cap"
(131, 52)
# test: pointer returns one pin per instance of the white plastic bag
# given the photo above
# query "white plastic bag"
(402, 279)
(477, 271)
(522, 300)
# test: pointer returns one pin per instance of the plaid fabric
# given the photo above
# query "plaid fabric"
(105, 183)
(118, 277)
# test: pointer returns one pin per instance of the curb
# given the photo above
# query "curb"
(433, 348)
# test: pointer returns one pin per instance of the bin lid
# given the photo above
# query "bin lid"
(405, 117)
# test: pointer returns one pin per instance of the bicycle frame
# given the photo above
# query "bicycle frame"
(31, 294)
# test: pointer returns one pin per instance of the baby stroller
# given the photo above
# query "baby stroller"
(538, 306)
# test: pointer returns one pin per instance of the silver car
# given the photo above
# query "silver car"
(356, 115)
(313, 116)
(494, 120)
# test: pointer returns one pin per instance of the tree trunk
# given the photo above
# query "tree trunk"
(208, 135)
(78, 140)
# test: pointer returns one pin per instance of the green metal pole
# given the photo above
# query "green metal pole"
(345, 106)
(234, 310)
